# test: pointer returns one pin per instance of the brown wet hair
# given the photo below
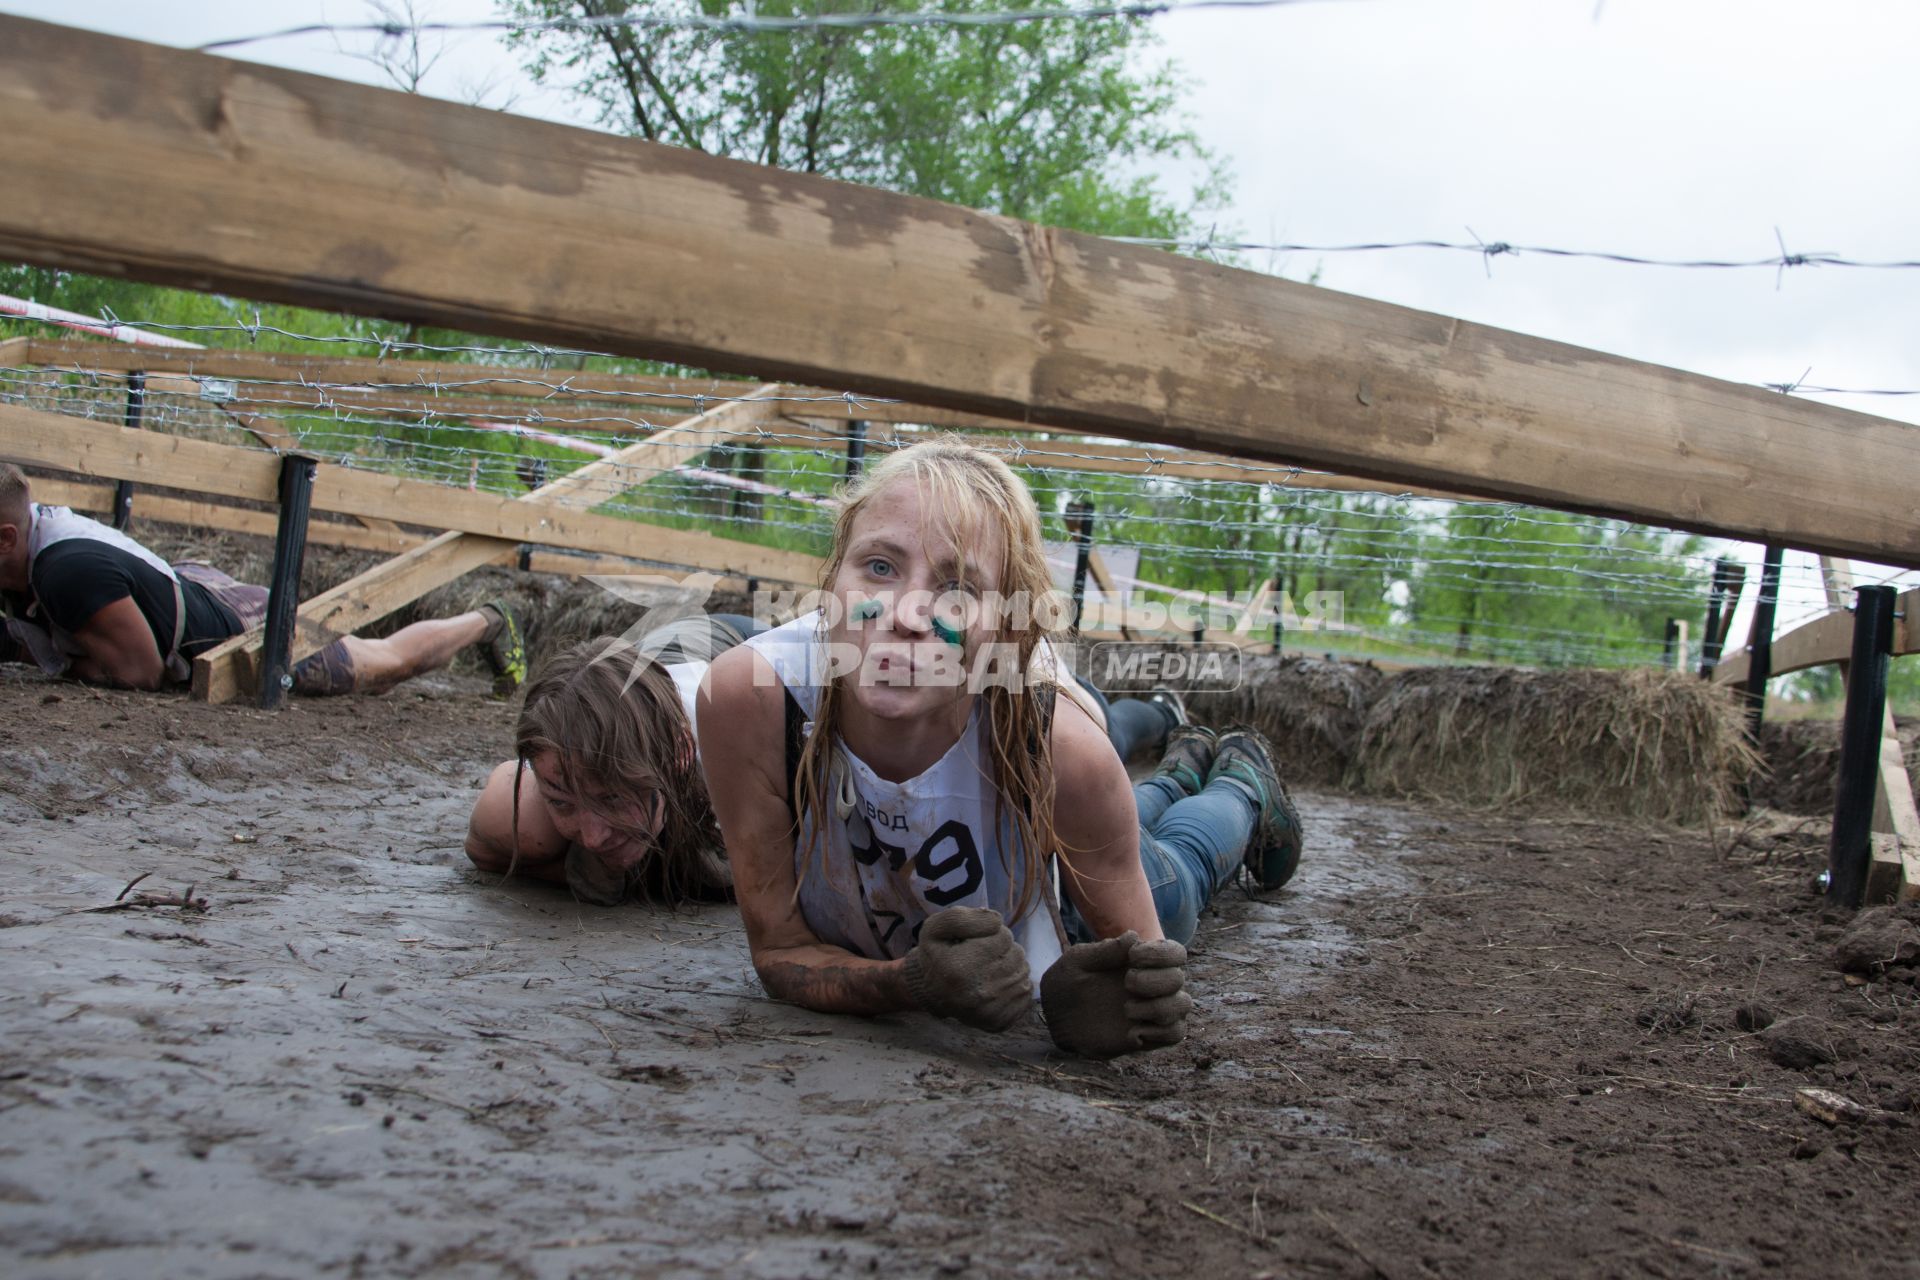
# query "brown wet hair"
(615, 721)
(15, 498)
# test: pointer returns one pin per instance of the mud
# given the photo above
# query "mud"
(1455, 1046)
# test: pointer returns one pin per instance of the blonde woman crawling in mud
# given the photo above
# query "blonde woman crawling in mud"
(901, 791)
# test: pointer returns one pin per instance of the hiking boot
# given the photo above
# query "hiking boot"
(504, 649)
(1245, 759)
(1188, 757)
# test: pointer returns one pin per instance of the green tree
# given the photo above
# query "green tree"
(1053, 122)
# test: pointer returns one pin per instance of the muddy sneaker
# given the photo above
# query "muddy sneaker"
(1188, 757)
(1245, 759)
(505, 651)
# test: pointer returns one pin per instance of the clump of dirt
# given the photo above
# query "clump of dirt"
(1882, 942)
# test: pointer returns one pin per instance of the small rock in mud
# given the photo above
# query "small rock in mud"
(1753, 1017)
(1879, 939)
(1790, 1046)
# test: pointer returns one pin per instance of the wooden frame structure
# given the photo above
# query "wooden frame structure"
(337, 195)
(1829, 639)
(297, 188)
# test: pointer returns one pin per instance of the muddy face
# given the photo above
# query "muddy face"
(610, 834)
(898, 587)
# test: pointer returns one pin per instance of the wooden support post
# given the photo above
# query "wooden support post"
(283, 599)
(1097, 566)
(336, 195)
(1850, 853)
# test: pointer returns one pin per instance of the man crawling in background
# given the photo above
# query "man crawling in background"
(84, 600)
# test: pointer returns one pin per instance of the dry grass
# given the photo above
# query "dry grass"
(1649, 744)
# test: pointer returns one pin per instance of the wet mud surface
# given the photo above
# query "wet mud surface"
(1457, 1045)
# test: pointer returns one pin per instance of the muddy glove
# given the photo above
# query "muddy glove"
(967, 966)
(1120, 995)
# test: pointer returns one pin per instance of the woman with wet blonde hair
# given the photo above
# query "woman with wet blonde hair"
(915, 819)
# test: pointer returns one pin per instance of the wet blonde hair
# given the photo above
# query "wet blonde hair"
(964, 491)
(626, 733)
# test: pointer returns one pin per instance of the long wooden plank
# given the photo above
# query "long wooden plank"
(449, 377)
(298, 188)
(160, 508)
(118, 453)
(230, 670)
(1133, 460)
(284, 383)
(212, 515)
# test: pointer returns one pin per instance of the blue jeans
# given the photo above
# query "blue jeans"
(1190, 845)
(1131, 722)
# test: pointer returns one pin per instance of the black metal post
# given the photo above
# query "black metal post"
(1080, 522)
(1760, 651)
(122, 504)
(1666, 648)
(1710, 641)
(1850, 855)
(283, 598)
(136, 409)
(856, 448)
(526, 557)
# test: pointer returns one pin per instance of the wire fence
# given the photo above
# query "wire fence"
(1420, 578)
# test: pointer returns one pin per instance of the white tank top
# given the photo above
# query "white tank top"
(894, 853)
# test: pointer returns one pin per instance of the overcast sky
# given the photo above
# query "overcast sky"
(1663, 128)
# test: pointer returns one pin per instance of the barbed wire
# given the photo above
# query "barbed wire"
(1357, 541)
(750, 21)
(1488, 250)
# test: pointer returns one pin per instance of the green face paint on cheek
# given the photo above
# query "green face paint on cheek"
(865, 611)
(948, 634)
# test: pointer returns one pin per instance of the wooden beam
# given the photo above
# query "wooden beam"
(445, 377)
(165, 509)
(15, 352)
(229, 670)
(1137, 460)
(211, 515)
(301, 189)
(119, 453)
(1827, 638)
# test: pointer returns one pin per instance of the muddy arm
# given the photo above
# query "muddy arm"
(1098, 828)
(746, 779)
(543, 850)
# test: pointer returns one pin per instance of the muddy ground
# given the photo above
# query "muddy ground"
(1458, 1045)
